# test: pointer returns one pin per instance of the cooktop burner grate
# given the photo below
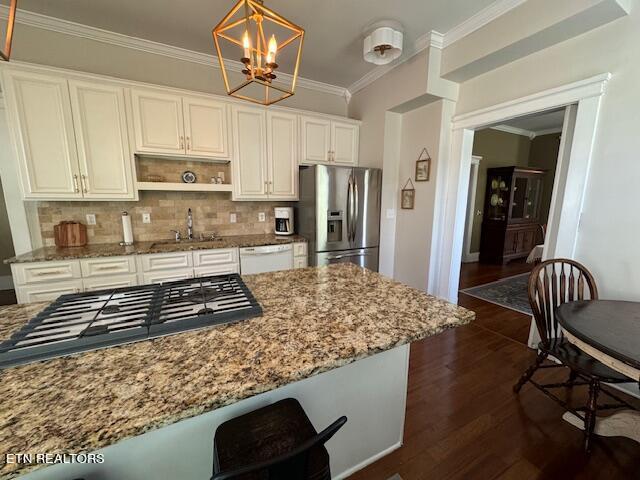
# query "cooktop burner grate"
(88, 321)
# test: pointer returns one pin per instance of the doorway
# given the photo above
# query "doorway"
(511, 182)
(582, 100)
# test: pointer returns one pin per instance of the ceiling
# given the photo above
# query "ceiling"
(333, 42)
(539, 122)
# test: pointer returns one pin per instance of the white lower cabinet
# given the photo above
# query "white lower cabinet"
(46, 281)
(300, 255)
(216, 270)
(47, 292)
(167, 276)
(112, 281)
(100, 267)
(157, 262)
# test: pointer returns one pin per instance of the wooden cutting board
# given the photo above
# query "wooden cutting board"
(70, 234)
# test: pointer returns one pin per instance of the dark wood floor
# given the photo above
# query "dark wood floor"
(463, 421)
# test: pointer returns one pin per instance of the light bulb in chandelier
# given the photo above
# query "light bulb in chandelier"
(246, 44)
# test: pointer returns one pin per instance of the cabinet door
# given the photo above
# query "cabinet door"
(249, 174)
(316, 140)
(205, 124)
(40, 111)
(511, 239)
(101, 136)
(344, 143)
(282, 156)
(47, 292)
(158, 122)
(113, 281)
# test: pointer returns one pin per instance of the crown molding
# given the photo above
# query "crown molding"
(548, 131)
(436, 39)
(515, 131)
(67, 27)
(480, 19)
(431, 39)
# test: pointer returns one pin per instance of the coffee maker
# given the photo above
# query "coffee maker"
(284, 220)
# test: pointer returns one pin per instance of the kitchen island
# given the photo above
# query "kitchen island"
(334, 337)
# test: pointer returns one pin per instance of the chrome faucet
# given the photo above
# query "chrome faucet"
(189, 225)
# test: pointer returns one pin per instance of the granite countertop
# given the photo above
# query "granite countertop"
(141, 248)
(315, 319)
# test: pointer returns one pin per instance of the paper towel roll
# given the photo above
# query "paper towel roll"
(126, 229)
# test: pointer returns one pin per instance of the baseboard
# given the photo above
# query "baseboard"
(6, 282)
(471, 257)
(367, 462)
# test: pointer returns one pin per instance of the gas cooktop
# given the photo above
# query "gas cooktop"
(89, 321)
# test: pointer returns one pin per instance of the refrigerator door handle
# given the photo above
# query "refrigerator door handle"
(350, 213)
(349, 209)
(356, 210)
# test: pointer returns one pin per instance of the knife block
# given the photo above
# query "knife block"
(70, 234)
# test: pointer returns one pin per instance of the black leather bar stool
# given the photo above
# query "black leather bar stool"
(276, 442)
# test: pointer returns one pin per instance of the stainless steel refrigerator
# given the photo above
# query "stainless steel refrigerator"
(339, 214)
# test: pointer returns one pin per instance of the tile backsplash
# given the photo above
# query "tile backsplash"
(168, 210)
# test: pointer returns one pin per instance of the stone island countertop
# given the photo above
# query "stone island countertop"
(46, 254)
(315, 320)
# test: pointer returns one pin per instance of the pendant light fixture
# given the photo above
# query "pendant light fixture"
(246, 28)
(5, 46)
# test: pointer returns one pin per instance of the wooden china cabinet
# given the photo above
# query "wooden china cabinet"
(511, 213)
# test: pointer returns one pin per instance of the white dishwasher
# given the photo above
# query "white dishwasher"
(269, 258)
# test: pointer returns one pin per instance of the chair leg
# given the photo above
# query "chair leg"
(590, 414)
(573, 375)
(529, 372)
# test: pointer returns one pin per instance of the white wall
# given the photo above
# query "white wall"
(420, 129)
(370, 105)
(610, 225)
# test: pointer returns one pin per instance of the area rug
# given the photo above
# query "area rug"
(510, 292)
(395, 477)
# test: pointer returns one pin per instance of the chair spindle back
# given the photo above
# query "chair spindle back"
(552, 283)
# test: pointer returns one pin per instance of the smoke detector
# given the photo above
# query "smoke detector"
(383, 42)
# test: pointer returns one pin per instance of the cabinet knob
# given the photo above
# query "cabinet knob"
(188, 143)
(76, 189)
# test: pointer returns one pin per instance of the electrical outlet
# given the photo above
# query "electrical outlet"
(146, 218)
(391, 213)
(91, 218)
(233, 218)
(261, 217)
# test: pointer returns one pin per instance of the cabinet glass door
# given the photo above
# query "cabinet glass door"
(532, 199)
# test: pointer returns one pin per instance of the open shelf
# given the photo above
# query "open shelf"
(184, 187)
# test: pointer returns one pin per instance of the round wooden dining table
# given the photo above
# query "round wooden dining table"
(609, 331)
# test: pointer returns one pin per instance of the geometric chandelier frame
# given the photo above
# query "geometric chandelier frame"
(5, 46)
(258, 54)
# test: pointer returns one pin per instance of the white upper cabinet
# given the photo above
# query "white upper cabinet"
(158, 122)
(249, 168)
(265, 165)
(205, 126)
(168, 124)
(102, 141)
(282, 155)
(40, 116)
(329, 141)
(344, 143)
(316, 140)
